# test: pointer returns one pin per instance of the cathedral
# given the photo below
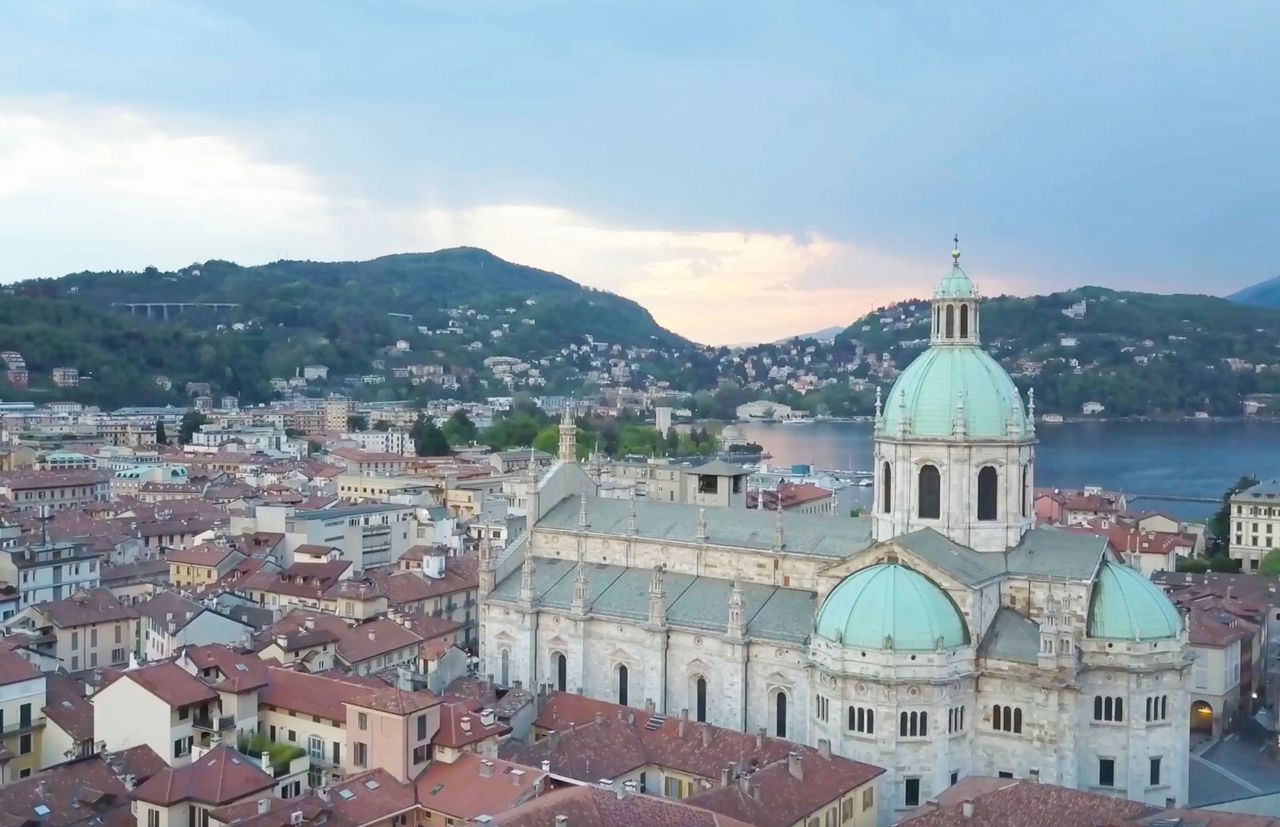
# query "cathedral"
(940, 636)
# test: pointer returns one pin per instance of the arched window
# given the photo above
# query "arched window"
(1024, 490)
(1097, 707)
(886, 488)
(504, 670)
(1017, 720)
(951, 321)
(902, 725)
(622, 685)
(987, 484)
(929, 497)
(862, 719)
(964, 321)
(937, 320)
(924, 723)
(562, 672)
(1119, 709)
(700, 698)
(780, 714)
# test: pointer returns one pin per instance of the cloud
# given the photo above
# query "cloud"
(85, 187)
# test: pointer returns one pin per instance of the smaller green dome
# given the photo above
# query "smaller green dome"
(1127, 606)
(891, 606)
(956, 285)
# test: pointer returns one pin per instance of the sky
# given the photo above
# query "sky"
(746, 170)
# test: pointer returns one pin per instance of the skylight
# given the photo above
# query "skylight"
(346, 795)
(240, 667)
(371, 784)
(41, 810)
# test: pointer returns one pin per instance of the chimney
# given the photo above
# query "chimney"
(793, 765)
(824, 748)
(649, 706)
(372, 636)
(726, 775)
(546, 766)
(599, 717)
(680, 727)
(966, 809)
(486, 768)
(264, 805)
(706, 736)
(760, 738)
(562, 821)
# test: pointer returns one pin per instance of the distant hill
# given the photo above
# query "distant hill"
(824, 333)
(1263, 294)
(1136, 353)
(291, 313)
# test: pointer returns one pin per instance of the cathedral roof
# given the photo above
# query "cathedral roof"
(815, 534)
(700, 603)
(889, 606)
(952, 384)
(955, 285)
(964, 564)
(1125, 605)
(1049, 552)
(1012, 637)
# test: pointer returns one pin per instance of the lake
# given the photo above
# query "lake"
(1187, 459)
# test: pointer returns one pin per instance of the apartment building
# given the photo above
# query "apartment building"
(171, 622)
(49, 573)
(161, 706)
(1255, 524)
(88, 630)
(184, 796)
(22, 701)
(201, 564)
(53, 490)
(374, 534)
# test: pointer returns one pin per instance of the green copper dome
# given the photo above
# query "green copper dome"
(928, 393)
(1127, 606)
(955, 285)
(891, 607)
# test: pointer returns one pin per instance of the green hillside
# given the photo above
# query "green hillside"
(1263, 294)
(1136, 353)
(291, 313)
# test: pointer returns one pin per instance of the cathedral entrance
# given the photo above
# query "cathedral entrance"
(1202, 717)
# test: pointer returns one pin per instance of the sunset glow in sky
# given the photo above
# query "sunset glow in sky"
(746, 170)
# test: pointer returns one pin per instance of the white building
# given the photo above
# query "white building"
(368, 535)
(942, 636)
(1255, 524)
(44, 573)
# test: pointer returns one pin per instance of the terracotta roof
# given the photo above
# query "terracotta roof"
(141, 762)
(166, 607)
(397, 701)
(218, 777)
(170, 683)
(67, 707)
(14, 668)
(373, 796)
(1217, 629)
(1019, 803)
(204, 554)
(29, 480)
(324, 696)
(473, 785)
(279, 812)
(595, 739)
(300, 579)
(461, 725)
(86, 607)
(590, 806)
(235, 672)
(74, 793)
(461, 573)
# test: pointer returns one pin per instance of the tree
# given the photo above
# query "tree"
(382, 425)
(357, 422)
(459, 428)
(1270, 565)
(161, 437)
(428, 439)
(191, 422)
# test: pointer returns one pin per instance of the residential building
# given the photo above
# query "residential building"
(1217, 639)
(202, 564)
(53, 490)
(761, 780)
(171, 622)
(49, 572)
(372, 463)
(161, 706)
(65, 377)
(184, 796)
(68, 722)
(22, 702)
(369, 535)
(1255, 524)
(88, 630)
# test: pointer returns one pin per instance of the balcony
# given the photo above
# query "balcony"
(20, 726)
(213, 723)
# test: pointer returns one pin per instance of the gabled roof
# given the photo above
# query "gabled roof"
(591, 806)
(218, 777)
(473, 786)
(168, 682)
(85, 607)
(14, 668)
(1011, 637)
(67, 707)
